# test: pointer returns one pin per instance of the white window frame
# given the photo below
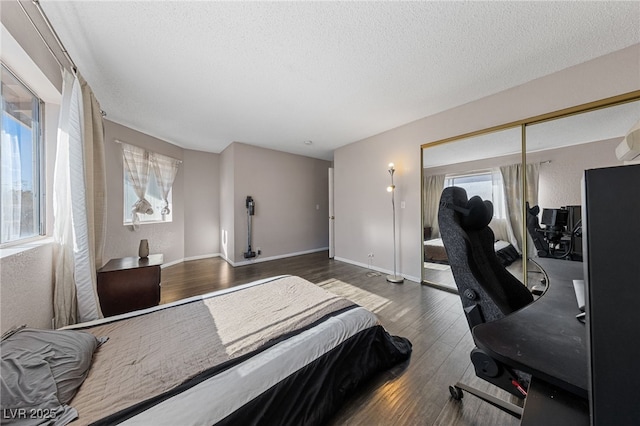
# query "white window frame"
(38, 168)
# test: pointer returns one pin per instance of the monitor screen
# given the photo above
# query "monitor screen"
(555, 217)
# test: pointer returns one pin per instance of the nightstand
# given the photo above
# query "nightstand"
(129, 283)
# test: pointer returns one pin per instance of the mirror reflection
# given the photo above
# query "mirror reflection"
(490, 166)
(478, 164)
(559, 151)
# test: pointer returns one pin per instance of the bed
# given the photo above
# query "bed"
(435, 252)
(275, 351)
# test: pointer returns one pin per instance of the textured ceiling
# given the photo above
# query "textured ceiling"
(203, 74)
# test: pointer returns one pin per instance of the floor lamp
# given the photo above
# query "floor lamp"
(395, 278)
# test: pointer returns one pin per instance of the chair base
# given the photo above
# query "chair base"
(538, 290)
(507, 407)
(397, 279)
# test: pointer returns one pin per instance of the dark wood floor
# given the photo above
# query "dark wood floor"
(415, 393)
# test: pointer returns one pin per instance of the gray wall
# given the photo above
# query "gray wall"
(362, 207)
(291, 196)
(560, 179)
(227, 203)
(201, 204)
(122, 241)
(209, 198)
(195, 229)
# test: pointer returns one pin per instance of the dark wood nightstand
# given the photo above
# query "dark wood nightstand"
(129, 283)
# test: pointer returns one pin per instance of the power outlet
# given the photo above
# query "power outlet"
(370, 260)
(258, 251)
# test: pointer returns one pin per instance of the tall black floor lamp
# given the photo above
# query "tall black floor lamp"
(395, 278)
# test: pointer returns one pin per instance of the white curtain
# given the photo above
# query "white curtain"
(432, 187)
(500, 224)
(75, 296)
(165, 169)
(136, 163)
(512, 178)
(11, 186)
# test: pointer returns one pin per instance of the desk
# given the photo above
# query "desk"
(544, 338)
(129, 283)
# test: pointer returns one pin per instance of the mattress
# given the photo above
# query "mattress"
(435, 252)
(279, 350)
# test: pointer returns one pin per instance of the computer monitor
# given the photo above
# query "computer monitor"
(555, 218)
(611, 256)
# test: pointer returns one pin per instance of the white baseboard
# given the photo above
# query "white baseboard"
(259, 259)
(186, 259)
(202, 256)
(375, 268)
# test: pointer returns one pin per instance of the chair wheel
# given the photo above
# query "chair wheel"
(456, 393)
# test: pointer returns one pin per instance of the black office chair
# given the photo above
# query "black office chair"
(487, 290)
(533, 227)
(541, 245)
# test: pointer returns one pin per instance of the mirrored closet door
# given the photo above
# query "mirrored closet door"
(536, 194)
(475, 164)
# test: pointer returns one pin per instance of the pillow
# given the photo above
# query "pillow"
(479, 214)
(44, 368)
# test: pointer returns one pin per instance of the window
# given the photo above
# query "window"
(21, 202)
(148, 185)
(487, 185)
(153, 195)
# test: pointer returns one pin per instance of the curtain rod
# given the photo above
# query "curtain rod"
(53, 32)
(35, 27)
(138, 146)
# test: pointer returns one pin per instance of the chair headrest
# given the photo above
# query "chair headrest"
(474, 213)
(479, 214)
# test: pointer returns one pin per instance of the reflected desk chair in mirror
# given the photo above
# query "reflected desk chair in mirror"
(487, 290)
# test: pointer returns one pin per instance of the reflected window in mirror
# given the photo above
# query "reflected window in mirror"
(485, 184)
